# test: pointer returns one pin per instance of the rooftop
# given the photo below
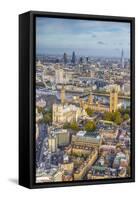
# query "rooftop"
(94, 134)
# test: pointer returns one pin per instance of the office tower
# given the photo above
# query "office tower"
(122, 59)
(73, 60)
(81, 60)
(63, 137)
(65, 58)
(87, 59)
(52, 144)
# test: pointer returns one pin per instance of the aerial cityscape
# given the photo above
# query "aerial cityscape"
(83, 100)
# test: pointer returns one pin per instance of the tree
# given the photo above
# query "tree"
(113, 116)
(124, 110)
(127, 110)
(66, 126)
(89, 111)
(74, 126)
(107, 116)
(126, 116)
(90, 126)
(47, 117)
(121, 110)
(40, 109)
(117, 118)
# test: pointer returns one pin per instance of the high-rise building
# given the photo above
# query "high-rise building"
(52, 144)
(59, 76)
(65, 60)
(81, 60)
(122, 59)
(113, 99)
(73, 60)
(63, 137)
(87, 59)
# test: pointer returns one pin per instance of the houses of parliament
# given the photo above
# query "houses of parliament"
(68, 111)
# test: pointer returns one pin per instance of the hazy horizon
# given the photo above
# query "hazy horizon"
(85, 37)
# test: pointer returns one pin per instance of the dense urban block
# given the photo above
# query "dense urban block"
(82, 108)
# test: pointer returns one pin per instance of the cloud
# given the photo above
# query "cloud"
(117, 49)
(93, 36)
(101, 43)
(57, 33)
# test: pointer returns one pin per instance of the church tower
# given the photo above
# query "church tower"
(113, 99)
(62, 95)
(90, 99)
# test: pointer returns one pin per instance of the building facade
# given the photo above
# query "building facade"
(65, 113)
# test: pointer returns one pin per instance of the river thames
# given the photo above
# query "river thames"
(55, 96)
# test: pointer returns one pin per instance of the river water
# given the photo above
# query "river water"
(103, 99)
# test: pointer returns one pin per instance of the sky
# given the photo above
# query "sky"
(85, 37)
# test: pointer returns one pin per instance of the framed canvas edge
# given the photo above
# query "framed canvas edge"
(33, 14)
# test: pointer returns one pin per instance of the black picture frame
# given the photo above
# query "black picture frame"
(27, 98)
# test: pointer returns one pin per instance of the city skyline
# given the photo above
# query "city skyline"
(85, 37)
(83, 100)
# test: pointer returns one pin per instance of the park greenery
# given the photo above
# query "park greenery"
(40, 109)
(90, 126)
(73, 125)
(89, 111)
(47, 115)
(124, 110)
(118, 117)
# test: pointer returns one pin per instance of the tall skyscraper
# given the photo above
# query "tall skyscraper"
(87, 59)
(81, 60)
(65, 58)
(122, 59)
(73, 60)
